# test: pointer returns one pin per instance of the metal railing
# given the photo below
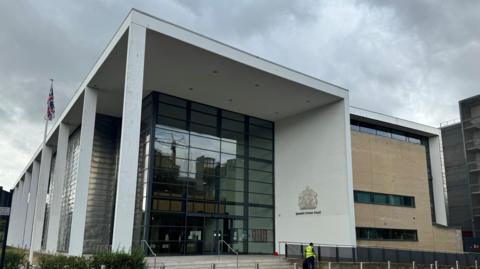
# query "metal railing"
(220, 242)
(144, 242)
(332, 253)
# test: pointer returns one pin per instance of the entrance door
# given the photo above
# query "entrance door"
(218, 231)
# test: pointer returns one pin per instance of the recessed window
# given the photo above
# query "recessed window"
(383, 199)
(381, 234)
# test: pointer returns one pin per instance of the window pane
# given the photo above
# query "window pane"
(205, 143)
(233, 125)
(261, 154)
(260, 187)
(232, 160)
(171, 136)
(414, 140)
(169, 165)
(259, 165)
(260, 176)
(203, 118)
(170, 190)
(263, 123)
(260, 223)
(233, 148)
(172, 100)
(261, 132)
(235, 210)
(380, 198)
(201, 129)
(231, 184)
(362, 197)
(233, 115)
(260, 212)
(172, 111)
(261, 142)
(384, 134)
(204, 108)
(367, 130)
(231, 196)
(395, 200)
(233, 137)
(261, 199)
(399, 136)
(354, 127)
(170, 151)
(232, 172)
(172, 122)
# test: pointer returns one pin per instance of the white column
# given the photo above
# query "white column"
(84, 164)
(31, 204)
(26, 190)
(18, 214)
(58, 183)
(39, 217)
(12, 229)
(129, 141)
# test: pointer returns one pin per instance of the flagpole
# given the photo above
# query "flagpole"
(30, 254)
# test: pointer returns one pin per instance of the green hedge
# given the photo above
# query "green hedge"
(14, 258)
(112, 260)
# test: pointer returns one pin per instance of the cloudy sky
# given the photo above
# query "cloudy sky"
(410, 59)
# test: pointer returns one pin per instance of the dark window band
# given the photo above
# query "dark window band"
(383, 199)
(386, 234)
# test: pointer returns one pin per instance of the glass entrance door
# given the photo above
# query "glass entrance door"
(218, 231)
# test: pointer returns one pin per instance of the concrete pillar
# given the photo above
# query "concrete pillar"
(129, 141)
(26, 190)
(12, 229)
(19, 213)
(58, 182)
(42, 190)
(31, 204)
(84, 164)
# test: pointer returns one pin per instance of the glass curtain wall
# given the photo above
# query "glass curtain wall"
(209, 179)
(48, 202)
(68, 194)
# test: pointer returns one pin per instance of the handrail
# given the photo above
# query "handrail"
(154, 254)
(229, 247)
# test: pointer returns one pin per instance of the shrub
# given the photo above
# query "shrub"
(59, 261)
(14, 258)
(119, 260)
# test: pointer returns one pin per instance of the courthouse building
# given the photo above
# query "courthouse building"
(180, 141)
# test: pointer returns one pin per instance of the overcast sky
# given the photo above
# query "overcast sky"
(409, 59)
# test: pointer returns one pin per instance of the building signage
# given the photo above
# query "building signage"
(4, 211)
(308, 202)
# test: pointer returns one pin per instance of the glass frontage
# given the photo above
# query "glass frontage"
(68, 194)
(210, 179)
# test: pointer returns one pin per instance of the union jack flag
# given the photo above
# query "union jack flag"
(50, 105)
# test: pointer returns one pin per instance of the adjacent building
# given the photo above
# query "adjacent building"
(398, 184)
(462, 164)
(186, 144)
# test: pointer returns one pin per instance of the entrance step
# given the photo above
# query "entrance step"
(220, 262)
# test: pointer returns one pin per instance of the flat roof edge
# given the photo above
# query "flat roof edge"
(191, 37)
(423, 129)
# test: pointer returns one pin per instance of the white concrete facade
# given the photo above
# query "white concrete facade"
(312, 133)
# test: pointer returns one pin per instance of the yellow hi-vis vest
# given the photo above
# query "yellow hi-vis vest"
(309, 252)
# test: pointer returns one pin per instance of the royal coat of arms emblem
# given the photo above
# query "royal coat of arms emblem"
(308, 199)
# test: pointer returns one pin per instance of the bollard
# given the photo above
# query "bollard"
(388, 264)
(476, 264)
(413, 264)
(294, 265)
(257, 266)
(214, 266)
(431, 266)
(436, 264)
(456, 264)
(103, 266)
(329, 265)
(361, 265)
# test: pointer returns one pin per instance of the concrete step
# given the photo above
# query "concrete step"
(220, 262)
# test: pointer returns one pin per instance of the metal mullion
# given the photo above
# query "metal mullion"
(246, 178)
(150, 169)
(188, 123)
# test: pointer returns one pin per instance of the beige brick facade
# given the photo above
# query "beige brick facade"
(385, 165)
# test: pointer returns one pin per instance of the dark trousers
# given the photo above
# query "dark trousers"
(310, 263)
